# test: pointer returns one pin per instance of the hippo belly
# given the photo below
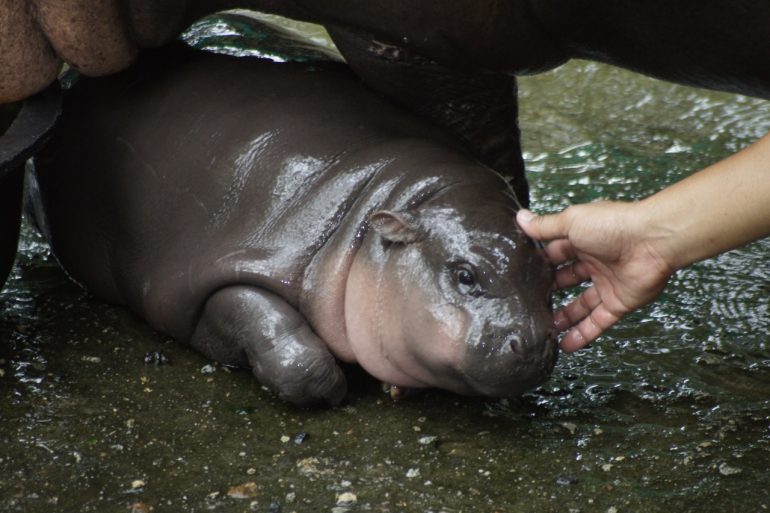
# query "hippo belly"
(283, 217)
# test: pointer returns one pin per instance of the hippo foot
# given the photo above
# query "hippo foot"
(247, 325)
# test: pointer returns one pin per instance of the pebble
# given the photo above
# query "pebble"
(243, 491)
(285, 439)
(607, 467)
(426, 440)
(566, 479)
(140, 507)
(412, 473)
(308, 467)
(156, 358)
(346, 499)
(301, 437)
(569, 426)
(208, 369)
(727, 470)
(90, 359)
(137, 483)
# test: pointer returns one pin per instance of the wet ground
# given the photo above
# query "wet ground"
(669, 412)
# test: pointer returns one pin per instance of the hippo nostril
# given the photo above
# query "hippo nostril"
(513, 343)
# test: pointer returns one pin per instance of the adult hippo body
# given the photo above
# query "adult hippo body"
(450, 62)
(280, 215)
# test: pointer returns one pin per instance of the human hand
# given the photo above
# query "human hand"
(610, 244)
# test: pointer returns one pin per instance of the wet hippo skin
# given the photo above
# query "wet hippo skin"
(284, 217)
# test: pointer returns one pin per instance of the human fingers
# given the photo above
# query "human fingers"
(560, 251)
(548, 227)
(571, 274)
(577, 310)
(597, 322)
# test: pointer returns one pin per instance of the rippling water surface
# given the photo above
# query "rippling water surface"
(668, 412)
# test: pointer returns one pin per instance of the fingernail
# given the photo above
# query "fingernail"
(560, 321)
(525, 215)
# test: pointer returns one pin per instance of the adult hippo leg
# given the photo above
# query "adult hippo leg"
(480, 107)
(279, 345)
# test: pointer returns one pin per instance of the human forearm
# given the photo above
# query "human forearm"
(717, 209)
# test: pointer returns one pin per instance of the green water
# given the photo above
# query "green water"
(668, 412)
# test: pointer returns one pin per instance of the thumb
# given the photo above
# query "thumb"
(543, 228)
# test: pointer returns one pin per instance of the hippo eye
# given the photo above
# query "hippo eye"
(465, 276)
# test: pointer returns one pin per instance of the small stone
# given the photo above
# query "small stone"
(290, 497)
(426, 440)
(2, 373)
(346, 499)
(251, 471)
(285, 439)
(208, 369)
(243, 491)
(612, 509)
(308, 467)
(212, 495)
(301, 437)
(137, 483)
(90, 359)
(598, 431)
(620, 458)
(569, 426)
(275, 507)
(156, 358)
(140, 507)
(566, 479)
(727, 470)
(607, 467)
(412, 473)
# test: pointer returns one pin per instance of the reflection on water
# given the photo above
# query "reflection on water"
(670, 411)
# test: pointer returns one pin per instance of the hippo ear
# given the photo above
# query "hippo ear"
(401, 227)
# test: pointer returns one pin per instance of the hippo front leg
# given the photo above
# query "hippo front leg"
(276, 341)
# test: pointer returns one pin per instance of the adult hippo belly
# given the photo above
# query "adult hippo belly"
(281, 216)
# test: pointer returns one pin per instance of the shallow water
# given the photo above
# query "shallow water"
(669, 412)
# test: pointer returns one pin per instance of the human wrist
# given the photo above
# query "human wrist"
(661, 232)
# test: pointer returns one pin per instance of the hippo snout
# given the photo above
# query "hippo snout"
(511, 363)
